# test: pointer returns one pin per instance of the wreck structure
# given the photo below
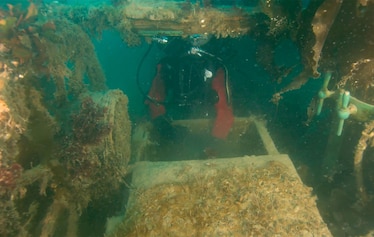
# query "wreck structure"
(66, 140)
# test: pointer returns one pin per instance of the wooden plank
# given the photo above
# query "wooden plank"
(181, 19)
(266, 139)
(149, 174)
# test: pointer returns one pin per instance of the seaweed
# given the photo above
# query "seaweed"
(71, 57)
(87, 125)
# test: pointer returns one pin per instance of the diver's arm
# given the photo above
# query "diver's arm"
(156, 95)
(224, 114)
(163, 128)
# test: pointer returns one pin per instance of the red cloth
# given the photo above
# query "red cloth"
(157, 93)
(225, 117)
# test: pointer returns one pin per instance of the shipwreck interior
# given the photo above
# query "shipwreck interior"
(79, 155)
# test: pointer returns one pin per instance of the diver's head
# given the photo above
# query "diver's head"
(198, 40)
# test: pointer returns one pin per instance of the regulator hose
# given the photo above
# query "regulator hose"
(138, 73)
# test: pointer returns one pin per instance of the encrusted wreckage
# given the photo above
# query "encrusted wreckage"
(64, 144)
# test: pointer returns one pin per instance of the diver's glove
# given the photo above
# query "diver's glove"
(166, 131)
(164, 128)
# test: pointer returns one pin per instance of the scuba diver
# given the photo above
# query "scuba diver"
(190, 83)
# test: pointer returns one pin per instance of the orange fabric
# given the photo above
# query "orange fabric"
(157, 92)
(225, 117)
